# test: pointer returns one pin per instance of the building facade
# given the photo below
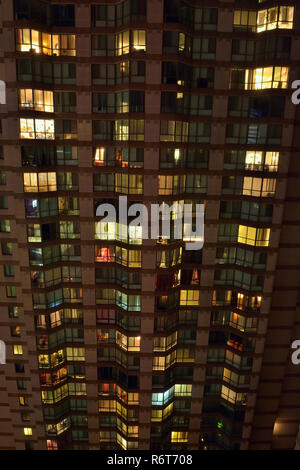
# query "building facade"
(118, 342)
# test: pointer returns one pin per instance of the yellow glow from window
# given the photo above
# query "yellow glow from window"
(267, 77)
(55, 44)
(35, 41)
(183, 390)
(189, 297)
(139, 40)
(27, 431)
(40, 182)
(272, 160)
(253, 159)
(278, 428)
(124, 107)
(232, 397)
(124, 67)
(122, 131)
(46, 43)
(179, 436)
(177, 152)
(122, 441)
(181, 42)
(75, 354)
(18, 349)
(275, 18)
(131, 343)
(99, 156)
(245, 18)
(37, 129)
(253, 236)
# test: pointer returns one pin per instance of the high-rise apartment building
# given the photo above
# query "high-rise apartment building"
(118, 342)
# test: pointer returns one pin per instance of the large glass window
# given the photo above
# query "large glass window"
(245, 20)
(122, 102)
(260, 78)
(30, 40)
(130, 41)
(251, 160)
(132, 71)
(37, 129)
(253, 236)
(40, 182)
(37, 100)
(120, 14)
(275, 18)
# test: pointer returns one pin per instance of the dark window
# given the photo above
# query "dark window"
(13, 311)
(62, 15)
(3, 202)
(64, 102)
(19, 368)
(32, 10)
(258, 107)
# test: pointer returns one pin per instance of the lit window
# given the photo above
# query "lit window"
(128, 184)
(275, 18)
(168, 410)
(164, 343)
(179, 436)
(18, 349)
(189, 297)
(52, 445)
(259, 161)
(128, 129)
(267, 77)
(156, 415)
(105, 255)
(185, 355)
(133, 398)
(253, 236)
(131, 343)
(46, 44)
(29, 40)
(37, 129)
(183, 390)
(40, 182)
(271, 161)
(159, 363)
(122, 441)
(259, 187)
(43, 360)
(121, 130)
(27, 431)
(245, 20)
(122, 43)
(139, 40)
(99, 156)
(231, 396)
(163, 362)
(181, 42)
(23, 401)
(160, 399)
(124, 67)
(38, 100)
(230, 377)
(108, 406)
(75, 354)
